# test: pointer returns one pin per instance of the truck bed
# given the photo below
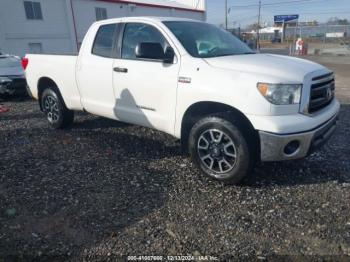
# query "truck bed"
(61, 69)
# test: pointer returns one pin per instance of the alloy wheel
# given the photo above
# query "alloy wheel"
(51, 108)
(217, 151)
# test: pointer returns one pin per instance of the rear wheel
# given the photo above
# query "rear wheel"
(219, 149)
(58, 115)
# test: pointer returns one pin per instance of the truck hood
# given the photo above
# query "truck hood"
(283, 67)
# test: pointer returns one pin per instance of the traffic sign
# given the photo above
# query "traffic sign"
(286, 18)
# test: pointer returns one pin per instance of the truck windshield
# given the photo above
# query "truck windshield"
(205, 40)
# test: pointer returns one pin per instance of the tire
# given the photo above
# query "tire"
(219, 149)
(58, 115)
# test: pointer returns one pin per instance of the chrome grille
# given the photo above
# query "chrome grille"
(322, 92)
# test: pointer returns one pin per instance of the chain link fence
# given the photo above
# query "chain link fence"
(320, 39)
(333, 39)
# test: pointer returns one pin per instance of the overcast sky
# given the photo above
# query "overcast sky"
(320, 10)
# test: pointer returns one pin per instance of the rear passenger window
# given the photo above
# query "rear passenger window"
(104, 41)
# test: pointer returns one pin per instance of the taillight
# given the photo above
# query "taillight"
(25, 62)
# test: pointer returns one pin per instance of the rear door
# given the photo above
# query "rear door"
(95, 72)
(145, 90)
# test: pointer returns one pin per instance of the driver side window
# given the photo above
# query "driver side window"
(135, 33)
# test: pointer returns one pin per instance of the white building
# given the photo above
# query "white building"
(59, 26)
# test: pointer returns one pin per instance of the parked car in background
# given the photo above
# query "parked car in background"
(12, 79)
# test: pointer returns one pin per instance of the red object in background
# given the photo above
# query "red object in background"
(303, 47)
(4, 109)
(25, 62)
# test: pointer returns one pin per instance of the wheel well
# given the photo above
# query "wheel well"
(45, 83)
(203, 109)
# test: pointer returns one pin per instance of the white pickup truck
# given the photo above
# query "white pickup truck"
(229, 106)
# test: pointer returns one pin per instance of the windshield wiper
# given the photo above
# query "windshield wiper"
(223, 55)
(247, 53)
(230, 54)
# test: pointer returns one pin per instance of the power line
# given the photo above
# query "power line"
(324, 13)
(316, 12)
(272, 4)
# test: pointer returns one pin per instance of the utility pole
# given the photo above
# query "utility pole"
(258, 32)
(226, 13)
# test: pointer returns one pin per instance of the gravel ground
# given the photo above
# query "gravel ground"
(104, 189)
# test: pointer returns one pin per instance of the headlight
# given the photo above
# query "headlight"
(281, 94)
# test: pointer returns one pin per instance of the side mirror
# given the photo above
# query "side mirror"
(149, 51)
(155, 51)
(169, 55)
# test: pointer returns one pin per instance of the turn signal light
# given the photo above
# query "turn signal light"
(263, 88)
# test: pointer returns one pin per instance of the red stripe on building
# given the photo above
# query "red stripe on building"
(153, 5)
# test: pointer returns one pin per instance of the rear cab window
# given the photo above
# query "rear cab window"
(104, 44)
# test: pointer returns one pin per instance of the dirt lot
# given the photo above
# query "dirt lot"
(104, 189)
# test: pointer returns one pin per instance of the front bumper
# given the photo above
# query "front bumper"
(273, 146)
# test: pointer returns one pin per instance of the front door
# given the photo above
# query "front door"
(145, 90)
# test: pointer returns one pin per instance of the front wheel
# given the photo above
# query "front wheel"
(219, 149)
(58, 115)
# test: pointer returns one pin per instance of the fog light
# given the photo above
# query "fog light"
(291, 147)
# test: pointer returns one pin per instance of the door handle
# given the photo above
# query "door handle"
(120, 70)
